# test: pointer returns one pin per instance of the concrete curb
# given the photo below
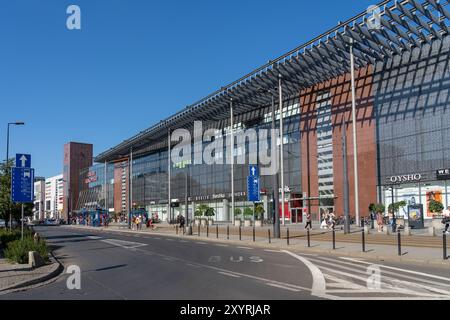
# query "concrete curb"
(294, 248)
(54, 272)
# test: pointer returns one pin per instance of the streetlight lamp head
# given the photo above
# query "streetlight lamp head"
(19, 123)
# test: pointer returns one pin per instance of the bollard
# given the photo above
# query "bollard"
(228, 232)
(270, 241)
(199, 230)
(240, 234)
(363, 241)
(253, 233)
(399, 243)
(334, 239)
(217, 231)
(309, 239)
(444, 246)
(207, 230)
(287, 236)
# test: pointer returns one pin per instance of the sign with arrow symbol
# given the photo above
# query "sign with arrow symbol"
(23, 160)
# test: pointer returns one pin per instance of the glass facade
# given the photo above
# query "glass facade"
(210, 184)
(325, 150)
(92, 187)
(413, 123)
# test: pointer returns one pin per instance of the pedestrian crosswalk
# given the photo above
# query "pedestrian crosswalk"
(349, 278)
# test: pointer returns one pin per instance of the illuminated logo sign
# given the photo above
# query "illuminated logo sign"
(443, 174)
(406, 178)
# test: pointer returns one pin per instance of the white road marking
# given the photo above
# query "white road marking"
(269, 250)
(183, 241)
(229, 274)
(391, 288)
(200, 243)
(402, 270)
(260, 279)
(319, 284)
(282, 287)
(245, 248)
(397, 274)
(124, 244)
(93, 237)
(221, 245)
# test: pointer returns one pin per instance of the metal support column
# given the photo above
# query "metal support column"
(169, 166)
(355, 147)
(280, 94)
(275, 185)
(232, 160)
(105, 193)
(130, 187)
(346, 186)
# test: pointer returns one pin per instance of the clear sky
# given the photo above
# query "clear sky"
(134, 62)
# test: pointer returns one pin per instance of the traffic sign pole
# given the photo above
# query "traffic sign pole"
(22, 221)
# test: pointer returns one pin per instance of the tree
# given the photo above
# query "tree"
(396, 206)
(237, 212)
(248, 212)
(259, 211)
(210, 212)
(5, 195)
(201, 210)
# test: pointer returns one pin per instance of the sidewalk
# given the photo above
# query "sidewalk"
(373, 251)
(17, 276)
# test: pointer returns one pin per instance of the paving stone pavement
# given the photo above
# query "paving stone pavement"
(19, 275)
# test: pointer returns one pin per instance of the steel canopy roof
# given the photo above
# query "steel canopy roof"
(403, 26)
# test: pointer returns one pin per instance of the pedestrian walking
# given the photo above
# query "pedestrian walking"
(308, 221)
(446, 220)
(182, 222)
(380, 221)
(394, 222)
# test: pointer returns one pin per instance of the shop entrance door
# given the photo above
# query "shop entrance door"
(297, 215)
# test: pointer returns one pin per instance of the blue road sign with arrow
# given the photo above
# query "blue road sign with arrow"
(23, 160)
(22, 185)
(253, 171)
(253, 189)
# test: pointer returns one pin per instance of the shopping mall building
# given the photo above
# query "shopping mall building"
(398, 54)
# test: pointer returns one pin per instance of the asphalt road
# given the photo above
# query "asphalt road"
(135, 266)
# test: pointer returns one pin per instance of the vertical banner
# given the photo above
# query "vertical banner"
(436, 195)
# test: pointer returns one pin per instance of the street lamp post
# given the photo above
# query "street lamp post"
(18, 123)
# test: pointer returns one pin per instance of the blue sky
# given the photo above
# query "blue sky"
(134, 62)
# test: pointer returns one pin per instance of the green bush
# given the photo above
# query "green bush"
(259, 211)
(7, 236)
(17, 251)
(248, 213)
(210, 212)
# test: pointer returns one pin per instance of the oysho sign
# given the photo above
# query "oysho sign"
(406, 178)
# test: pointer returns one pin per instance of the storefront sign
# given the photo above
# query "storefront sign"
(443, 174)
(91, 177)
(405, 178)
